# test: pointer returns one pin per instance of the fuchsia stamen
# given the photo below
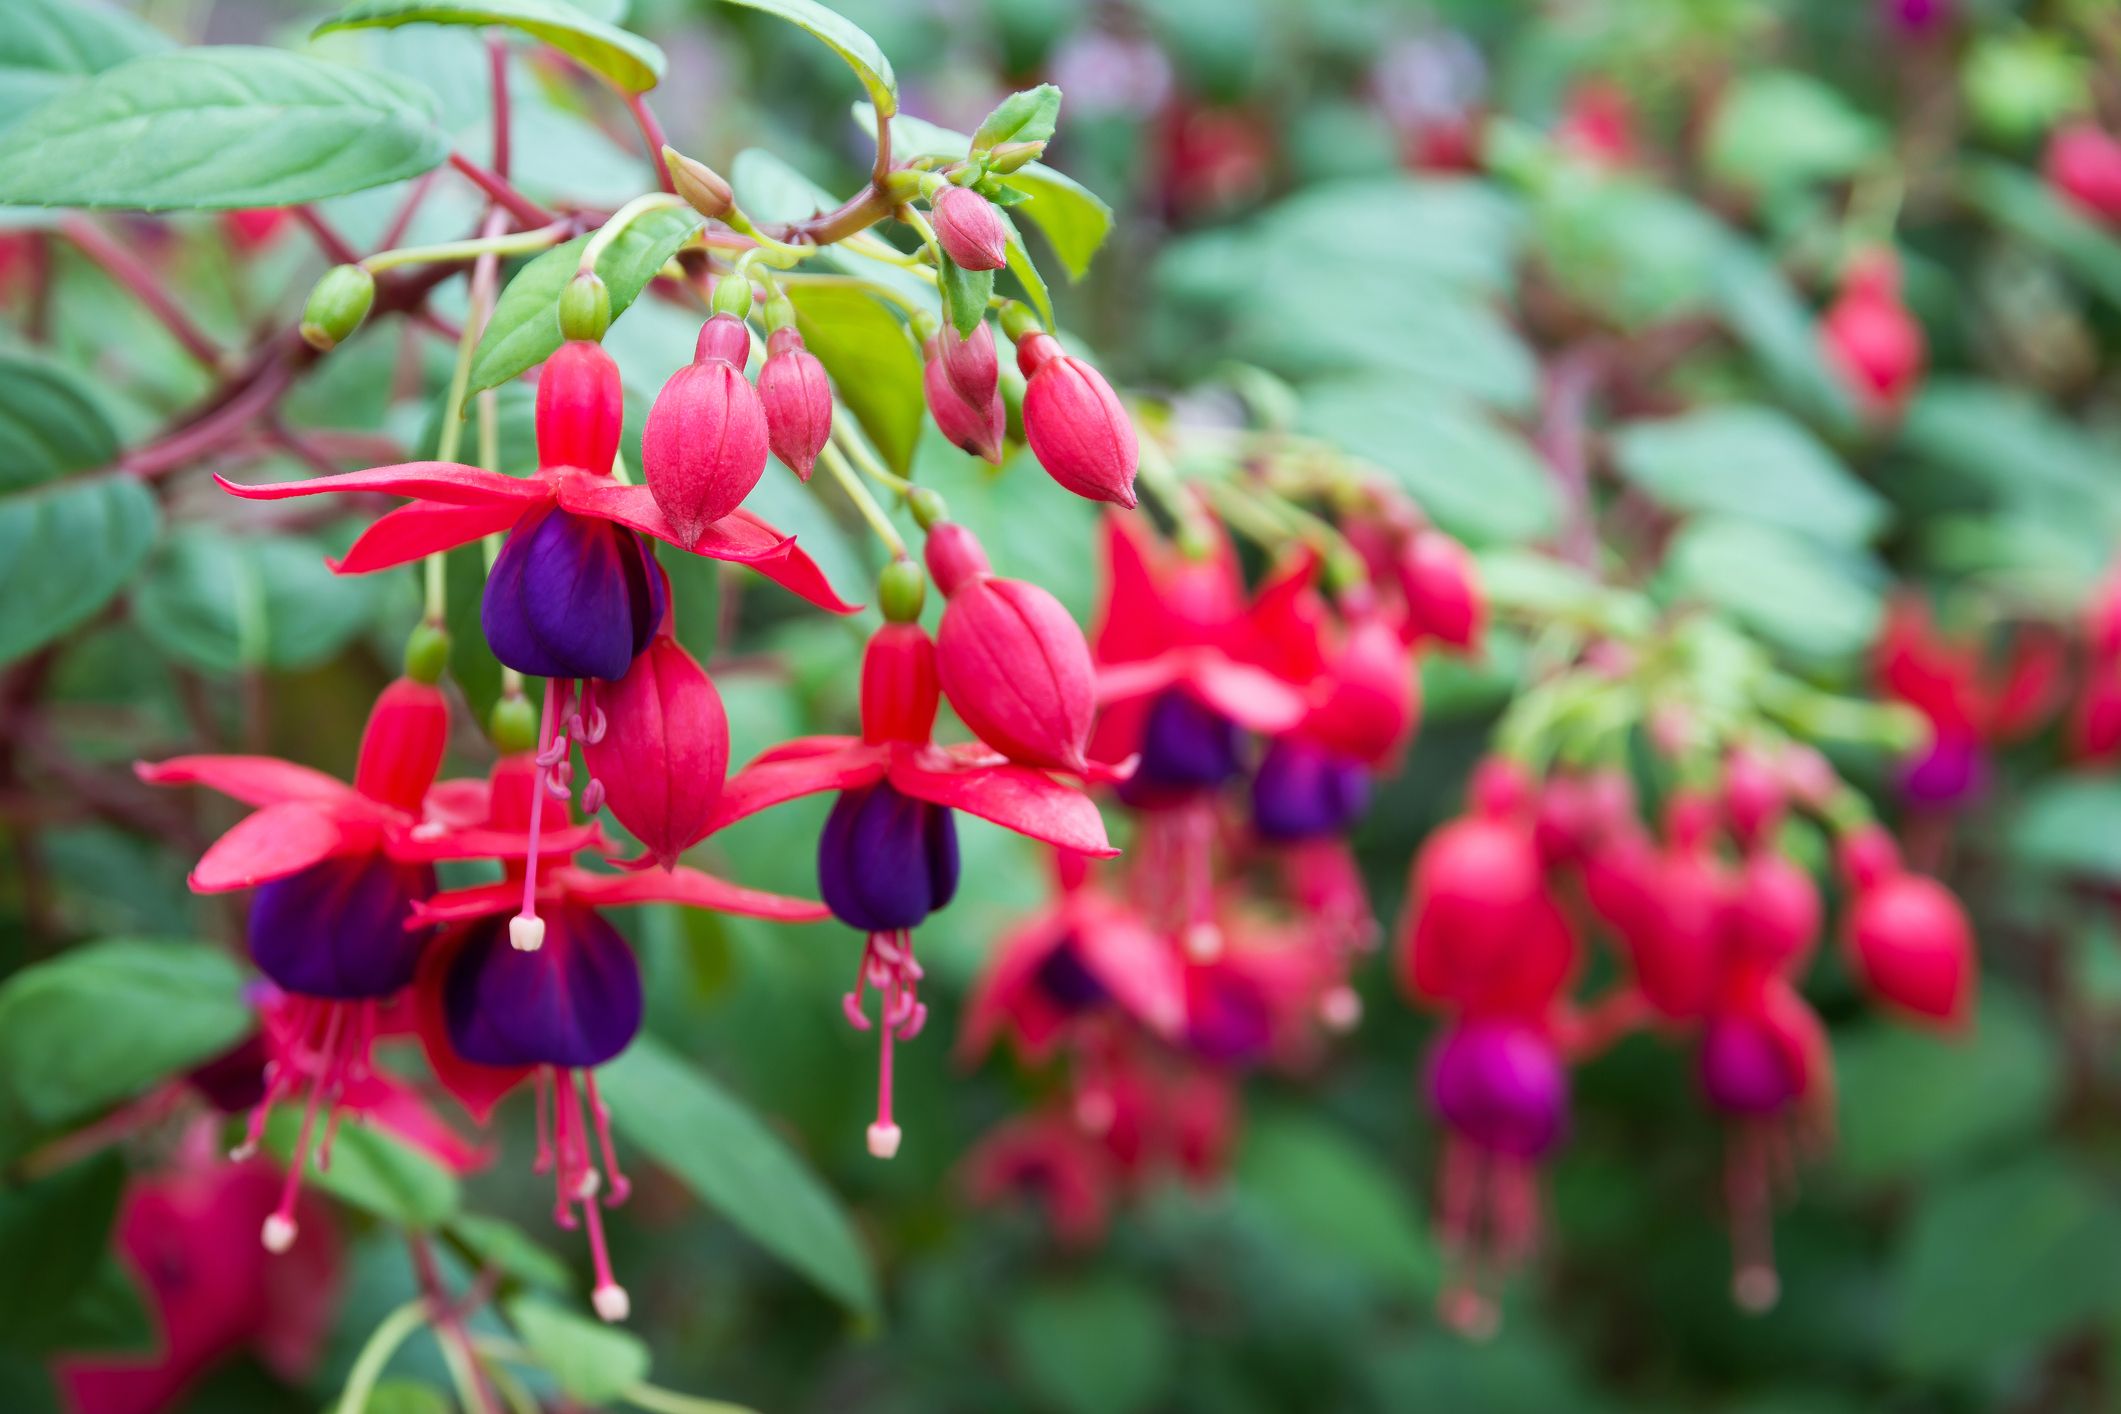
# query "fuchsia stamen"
(887, 965)
(1488, 1222)
(577, 1181)
(327, 1052)
(526, 931)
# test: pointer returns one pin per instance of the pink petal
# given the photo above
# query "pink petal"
(587, 494)
(1139, 967)
(767, 783)
(1252, 698)
(1014, 797)
(686, 886)
(479, 842)
(464, 905)
(448, 482)
(271, 844)
(421, 529)
(1125, 682)
(254, 780)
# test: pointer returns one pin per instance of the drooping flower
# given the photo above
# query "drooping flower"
(1970, 703)
(705, 442)
(660, 761)
(797, 397)
(1871, 339)
(971, 424)
(1908, 936)
(2084, 166)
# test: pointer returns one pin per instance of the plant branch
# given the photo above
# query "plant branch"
(143, 284)
(652, 134)
(518, 205)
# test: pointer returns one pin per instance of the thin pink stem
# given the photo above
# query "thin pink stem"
(336, 247)
(518, 205)
(497, 65)
(537, 809)
(652, 134)
(143, 284)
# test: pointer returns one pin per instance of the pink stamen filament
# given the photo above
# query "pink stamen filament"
(1748, 1189)
(526, 931)
(326, 1069)
(888, 966)
(619, 1188)
(576, 1180)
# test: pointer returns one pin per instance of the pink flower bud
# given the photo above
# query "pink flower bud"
(899, 688)
(1912, 945)
(968, 427)
(1372, 697)
(401, 749)
(1869, 337)
(970, 229)
(704, 447)
(1075, 424)
(2084, 167)
(580, 408)
(1443, 592)
(798, 401)
(1013, 663)
(970, 363)
(665, 749)
(1774, 913)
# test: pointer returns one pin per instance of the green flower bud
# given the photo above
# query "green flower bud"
(732, 295)
(513, 724)
(928, 508)
(337, 305)
(585, 308)
(427, 653)
(900, 591)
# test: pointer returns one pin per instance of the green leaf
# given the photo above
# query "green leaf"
(1094, 1346)
(2021, 82)
(498, 1243)
(1749, 461)
(223, 601)
(731, 1161)
(1912, 1102)
(1075, 221)
(47, 47)
(874, 366)
(1020, 263)
(965, 295)
(1472, 476)
(65, 549)
(1028, 115)
(50, 423)
(1815, 600)
(525, 328)
(592, 1362)
(371, 1170)
(844, 38)
(1778, 129)
(2021, 202)
(2071, 825)
(1637, 252)
(102, 1023)
(53, 1233)
(2000, 1265)
(107, 1316)
(626, 59)
(219, 127)
(1330, 1195)
(2012, 446)
(1766, 314)
(1417, 328)
(404, 1396)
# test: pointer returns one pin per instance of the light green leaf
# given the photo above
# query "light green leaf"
(719, 1149)
(1023, 267)
(2071, 825)
(1750, 461)
(2012, 446)
(1094, 1346)
(1765, 313)
(223, 601)
(626, 59)
(1815, 600)
(1028, 115)
(1332, 1196)
(1420, 328)
(874, 366)
(965, 295)
(50, 423)
(373, 1171)
(525, 328)
(47, 47)
(846, 39)
(219, 127)
(1779, 129)
(592, 1362)
(500, 1244)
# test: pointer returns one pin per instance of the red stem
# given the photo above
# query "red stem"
(651, 134)
(335, 246)
(402, 221)
(518, 205)
(448, 1317)
(143, 284)
(497, 60)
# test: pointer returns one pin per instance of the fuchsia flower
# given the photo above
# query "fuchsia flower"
(1971, 705)
(1047, 1158)
(888, 855)
(797, 398)
(1869, 337)
(2084, 167)
(970, 229)
(705, 443)
(574, 593)
(970, 364)
(1075, 423)
(1908, 935)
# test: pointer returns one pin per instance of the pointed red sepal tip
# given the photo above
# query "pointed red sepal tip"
(1076, 425)
(580, 408)
(664, 753)
(797, 397)
(705, 443)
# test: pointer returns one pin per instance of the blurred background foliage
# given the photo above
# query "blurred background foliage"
(1276, 238)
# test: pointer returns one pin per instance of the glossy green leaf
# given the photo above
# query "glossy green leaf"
(373, 1171)
(1749, 461)
(108, 1315)
(1094, 1346)
(1023, 267)
(102, 1023)
(219, 127)
(65, 549)
(626, 59)
(224, 602)
(844, 38)
(1813, 599)
(1028, 115)
(47, 47)
(593, 1362)
(1333, 1197)
(871, 359)
(684, 1121)
(50, 423)
(52, 1233)
(525, 327)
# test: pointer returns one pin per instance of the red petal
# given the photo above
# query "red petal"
(767, 783)
(1014, 797)
(586, 494)
(687, 886)
(448, 482)
(478, 842)
(793, 570)
(464, 905)
(421, 529)
(1125, 682)
(1255, 700)
(254, 780)
(271, 844)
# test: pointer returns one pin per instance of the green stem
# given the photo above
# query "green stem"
(836, 462)
(515, 243)
(622, 218)
(866, 459)
(663, 1401)
(368, 1366)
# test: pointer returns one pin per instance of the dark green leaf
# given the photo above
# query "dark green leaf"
(1097, 1346)
(54, 1231)
(106, 1316)
(720, 1150)
(223, 601)
(65, 549)
(626, 59)
(592, 1362)
(844, 38)
(525, 328)
(50, 424)
(219, 127)
(874, 366)
(371, 1170)
(1331, 1196)
(965, 295)
(1028, 115)
(47, 47)
(1749, 461)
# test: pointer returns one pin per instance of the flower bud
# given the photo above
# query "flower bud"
(797, 398)
(701, 186)
(401, 748)
(1075, 424)
(585, 307)
(665, 749)
(580, 408)
(2084, 167)
(1869, 337)
(1016, 667)
(337, 305)
(513, 724)
(970, 229)
(1774, 913)
(1913, 947)
(970, 363)
(427, 653)
(1372, 696)
(954, 556)
(969, 428)
(1444, 601)
(900, 691)
(704, 446)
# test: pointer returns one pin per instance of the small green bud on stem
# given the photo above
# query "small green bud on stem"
(900, 591)
(337, 305)
(427, 653)
(585, 308)
(513, 724)
(928, 508)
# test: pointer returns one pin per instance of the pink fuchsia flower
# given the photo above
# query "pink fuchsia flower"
(574, 593)
(2083, 166)
(1598, 125)
(1971, 703)
(1907, 935)
(797, 397)
(888, 854)
(973, 424)
(660, 762)
(1363, 696)
(1871, 339)
(1046, 1159)
(1076, 425)
(970, 229)
(704, 446)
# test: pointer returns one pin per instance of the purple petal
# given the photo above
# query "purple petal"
(575, 1002)
(570, 597)
(1305, 793)
(1500, 1084)
(337, 929)
(885, 860)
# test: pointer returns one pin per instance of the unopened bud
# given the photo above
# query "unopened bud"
(585, 308)
(701, 186)
(1013, 156)
(732, 296)
(337, 305)
(970, 230)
